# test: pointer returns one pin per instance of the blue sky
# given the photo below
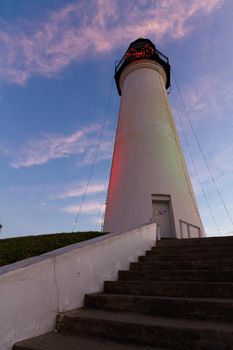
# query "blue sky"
(56, 71)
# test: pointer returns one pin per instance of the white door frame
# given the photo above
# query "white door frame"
(165, 198)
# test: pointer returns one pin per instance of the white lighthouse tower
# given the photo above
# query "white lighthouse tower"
(149, 181)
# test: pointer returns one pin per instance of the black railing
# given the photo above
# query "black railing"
(118, 64)
(138, 50)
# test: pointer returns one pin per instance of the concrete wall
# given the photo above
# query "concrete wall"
(147, 158)
(34, 291)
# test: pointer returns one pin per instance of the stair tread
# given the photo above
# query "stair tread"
(203, 262)
(195, 283)
(182, 307)
(196, 241)
(177, 270)
(152, 297)
(192, 256)
(171, 288)
(53, 341)
(147, 320)
(183, 265)
(195, 248)
(176, 275)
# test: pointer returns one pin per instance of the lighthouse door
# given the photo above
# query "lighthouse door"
(162, 216)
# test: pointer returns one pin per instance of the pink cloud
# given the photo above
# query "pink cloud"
(48, 147)
(87, 208)
(207, 95)
(77, 191)
(90, 27)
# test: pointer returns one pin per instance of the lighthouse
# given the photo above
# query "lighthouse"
(149, 180)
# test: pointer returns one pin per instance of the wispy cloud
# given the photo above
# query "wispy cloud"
(90, 27)
(209, 94)
(209, 103)
(47, 147)
(219, 160)
(87, 208)
(78, 190)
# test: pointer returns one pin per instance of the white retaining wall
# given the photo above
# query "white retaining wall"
(35, 290)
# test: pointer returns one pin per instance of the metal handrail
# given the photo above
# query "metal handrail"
(188, 228)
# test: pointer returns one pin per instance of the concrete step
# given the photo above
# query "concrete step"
(171, 288)
(53, 341)
(176, 250)
(148, 330)
(177, 275)
(225, 240)
(182, 265)
(223, 257)
(203, 309)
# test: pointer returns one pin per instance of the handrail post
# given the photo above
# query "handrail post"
(181, 230)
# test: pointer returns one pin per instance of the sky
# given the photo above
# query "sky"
(58, 102)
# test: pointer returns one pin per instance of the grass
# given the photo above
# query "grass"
(19, 248)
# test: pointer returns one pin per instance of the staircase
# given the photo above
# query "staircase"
(178, 296)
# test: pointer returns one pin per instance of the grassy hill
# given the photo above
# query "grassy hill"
(19, 248)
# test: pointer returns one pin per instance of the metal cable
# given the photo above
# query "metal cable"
(110, 168)
(201, 151)
(95, 158)
(196, 172)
